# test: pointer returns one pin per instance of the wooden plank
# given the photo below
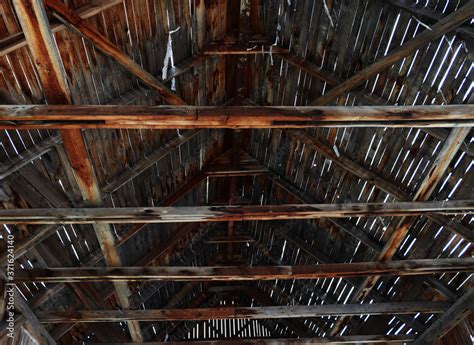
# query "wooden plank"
(442, 27)
(433, 177)
(149, 161)
(251, 273)
(74, 21)
(242, 312)
(351, 339)
(17, 41)
(168, 117)
(190, 214)
(370, 176)
(30, 155)
(35, 24)
(428, 16)
(453, 316)
(22, 313)
(233, 239)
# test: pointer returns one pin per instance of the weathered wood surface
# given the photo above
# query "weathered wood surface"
(453, 316)
(22, 160)
(51, 72)
(74, 21)
(233, 273)
(243, 312)
(442, 27)
(17, 41)
(436, 172)
(380, 182)
(230, 213)
(350, 339)
(168, 117)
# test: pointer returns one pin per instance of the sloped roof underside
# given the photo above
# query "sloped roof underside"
(335, 39)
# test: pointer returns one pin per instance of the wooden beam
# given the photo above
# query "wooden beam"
(453, 316)
(427, 186)
(243, 312)
(22, 314)
(166, 117)
(328, 77)
(189, 214)
(17, 41)
(35, 25)
(233, 239)
(24, 158)
(226, 170)
(442, 27)
(232, 273)
(75, 22)
(381, 183)
(429, 16)
(351, 339)
(356, 233)
(149, 161)
(438, 133)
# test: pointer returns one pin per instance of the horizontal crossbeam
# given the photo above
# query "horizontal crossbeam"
(168, 117)
(232, 273)
(242, 312)
(190, 214)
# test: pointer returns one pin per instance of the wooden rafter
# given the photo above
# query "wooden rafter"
(41, 234)
(317, 255)
(351, 230)
(428, 16)
(165, 117)
(236, 273)
(230, 213)
(442, 27)
(453, 316)
(35, 24)
(381, 183)
(427, 186)
(74, 21)
(243, 312)
(17, 41)
(149, 161)
(24, 159)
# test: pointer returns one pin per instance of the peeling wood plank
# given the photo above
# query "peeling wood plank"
(388, 187)
(166, 117)
(250, 273)
(230, 213)
(242, 312)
